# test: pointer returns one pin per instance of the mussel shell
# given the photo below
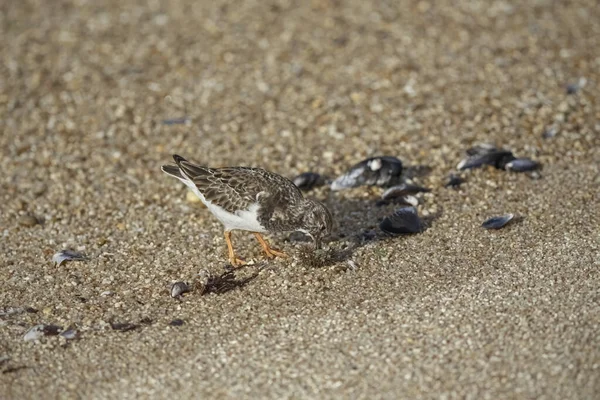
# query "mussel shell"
(497, 222)
(454, 181)
(402, 190)
(308, 180)
(404, 220)
(486, 155)
(407, 200)
(522, 165)
(376, 171)
(67, 255)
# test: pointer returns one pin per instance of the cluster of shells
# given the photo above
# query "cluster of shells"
(387, 172)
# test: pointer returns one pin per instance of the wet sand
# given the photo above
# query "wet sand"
(95, 96)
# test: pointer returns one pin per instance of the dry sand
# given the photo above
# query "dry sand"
(454, 312)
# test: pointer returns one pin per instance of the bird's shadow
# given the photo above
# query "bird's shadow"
(357, 221)
(227, 281)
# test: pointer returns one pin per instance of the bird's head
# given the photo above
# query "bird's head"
(317, 221)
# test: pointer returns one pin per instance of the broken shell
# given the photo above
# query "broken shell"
(179, 288)
(69, 334)
(497, 222)
(176, 322)
(38, 331)
(67, 255)
(308, 180)
(486, 154)
(380, 171)
(454, 182)
(403, 190)
(403, 200)
(123, 326)
(522, 165)
(402, 221)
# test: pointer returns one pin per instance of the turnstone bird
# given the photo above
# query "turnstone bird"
(253, 200)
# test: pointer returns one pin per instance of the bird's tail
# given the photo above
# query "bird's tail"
(188, 169)
(172, 170)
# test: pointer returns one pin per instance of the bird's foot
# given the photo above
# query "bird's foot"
(272, 253)
(237, 262)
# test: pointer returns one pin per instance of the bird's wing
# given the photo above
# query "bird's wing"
(237, 188)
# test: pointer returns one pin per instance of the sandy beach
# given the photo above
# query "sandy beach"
(96, 96)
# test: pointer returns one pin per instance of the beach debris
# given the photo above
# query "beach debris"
(402, 190)
(39, 331)
(376, 171)
(486, 154)
(454, 181)
(573, 88)
(497, 222)
(123, 326)
(308, 180)
(175, 121)
(522, 165)
(28, 220)
(549, 132)
(69, 334)
(406, 200)
(179, 288)
(67, 255)
(404, 220)
(176, 322)
(534, 175)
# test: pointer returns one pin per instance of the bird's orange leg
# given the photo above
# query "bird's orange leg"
(271, 253)
(232, 258)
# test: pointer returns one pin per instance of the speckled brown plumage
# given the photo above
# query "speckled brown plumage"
(280, 205)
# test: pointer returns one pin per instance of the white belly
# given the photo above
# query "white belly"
(245, 220)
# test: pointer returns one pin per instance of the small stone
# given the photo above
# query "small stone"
(28, 221)
(176, 322)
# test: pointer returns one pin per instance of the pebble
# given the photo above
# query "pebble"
(28, 221)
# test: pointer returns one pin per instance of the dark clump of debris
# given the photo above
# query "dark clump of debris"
(320, 258)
